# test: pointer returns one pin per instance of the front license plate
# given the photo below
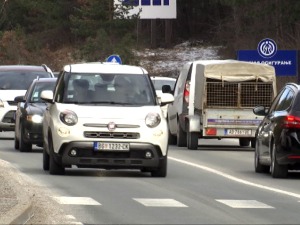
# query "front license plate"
(238, 132)
(108, 146)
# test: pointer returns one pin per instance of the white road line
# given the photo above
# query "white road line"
(245, 204)
(159, 202)
(217, 172)
(76, 200)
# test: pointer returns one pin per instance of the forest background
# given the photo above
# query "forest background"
(57, 32)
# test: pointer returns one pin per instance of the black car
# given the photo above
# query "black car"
(278, 136)
(29, 115)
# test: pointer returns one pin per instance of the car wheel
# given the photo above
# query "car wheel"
(17, 144)
(244, 142)
(24, 147)
(181, 136)
(171, 139)
(162, 170)
(277, 171)
(259, 168)
(54, 167)
(253, 143)
(192, 140)
(46, 160)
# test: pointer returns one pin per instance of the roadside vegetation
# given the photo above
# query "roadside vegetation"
(57, 32)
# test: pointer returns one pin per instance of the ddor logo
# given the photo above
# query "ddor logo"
(267, 48)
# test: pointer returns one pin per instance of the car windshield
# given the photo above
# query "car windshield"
(124, 89)
(159, 83)
(38, 88)
(19, 80)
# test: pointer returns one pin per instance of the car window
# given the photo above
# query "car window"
(19, 80)
(129, 89)
(285, 100)
(38, 88)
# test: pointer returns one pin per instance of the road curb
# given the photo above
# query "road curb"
(15, 189)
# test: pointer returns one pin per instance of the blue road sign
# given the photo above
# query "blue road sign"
(284, 61)
(114, 59)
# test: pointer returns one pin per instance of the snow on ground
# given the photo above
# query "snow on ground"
(168, 62)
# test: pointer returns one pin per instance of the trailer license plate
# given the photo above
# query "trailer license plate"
(238, 132)
(108, 146)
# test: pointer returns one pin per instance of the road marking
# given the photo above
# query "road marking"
(230, 177)
(76, 200)
(245, 204)
(159, 202)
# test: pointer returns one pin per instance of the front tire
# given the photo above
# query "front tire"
(16, 142)
(24, 147)
(162, 169)
(46, 160)
(277, 171)
(55, 168)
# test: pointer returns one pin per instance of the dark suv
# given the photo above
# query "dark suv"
(14, 81)
(278, 136)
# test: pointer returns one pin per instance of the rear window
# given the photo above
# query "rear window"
(159, 83)
(19, 80)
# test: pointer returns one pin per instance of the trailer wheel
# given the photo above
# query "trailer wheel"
(181, 136)
(192, 140)
(244, 142)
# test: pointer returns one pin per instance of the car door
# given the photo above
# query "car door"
(272, 121)
(175, 108)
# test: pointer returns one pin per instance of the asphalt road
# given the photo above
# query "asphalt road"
(215, 184)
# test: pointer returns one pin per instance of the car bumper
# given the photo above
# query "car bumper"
(33, 133)
(138, 157)
(7, 122)
(289, 148)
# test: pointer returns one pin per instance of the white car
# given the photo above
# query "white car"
(158, 83)
(105, 115)
(14, 81)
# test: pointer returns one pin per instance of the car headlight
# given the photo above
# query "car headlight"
(35, 118)
(152, 120)
(68, 117)
(1, 103)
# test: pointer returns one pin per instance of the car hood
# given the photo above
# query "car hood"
(9, 95)
(36, 108)
(111, 112)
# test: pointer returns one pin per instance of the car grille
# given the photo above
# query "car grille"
(12, 103)
(117, 135)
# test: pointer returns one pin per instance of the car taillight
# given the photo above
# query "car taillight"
(291, 121)
(186, 93)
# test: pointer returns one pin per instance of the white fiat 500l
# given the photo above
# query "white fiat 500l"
(104, 115)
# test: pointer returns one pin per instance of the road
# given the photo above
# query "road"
(215, 184)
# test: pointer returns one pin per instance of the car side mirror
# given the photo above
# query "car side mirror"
(260, 111)
(47, 96)
(19, 98)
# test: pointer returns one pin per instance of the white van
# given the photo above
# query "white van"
(215, 98)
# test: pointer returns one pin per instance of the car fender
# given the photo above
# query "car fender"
(194, 123)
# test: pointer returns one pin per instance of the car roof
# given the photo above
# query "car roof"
(22, 68)
(109, 68)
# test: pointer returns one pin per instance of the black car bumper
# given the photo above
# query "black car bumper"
(138, 157)
(33, 133)
(289, 148)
